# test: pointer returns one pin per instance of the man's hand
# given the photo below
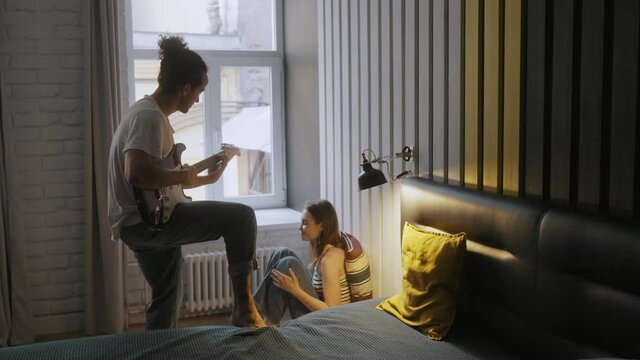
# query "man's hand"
(191, 180)
(214, 172)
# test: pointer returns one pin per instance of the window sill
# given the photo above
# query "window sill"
(277, 219)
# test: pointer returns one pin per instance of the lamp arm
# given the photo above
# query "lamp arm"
(364, 157)
(382, 159)
(406, 154)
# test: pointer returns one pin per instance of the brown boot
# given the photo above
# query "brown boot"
(245, 313)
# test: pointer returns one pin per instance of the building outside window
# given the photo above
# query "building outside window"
(240, 40)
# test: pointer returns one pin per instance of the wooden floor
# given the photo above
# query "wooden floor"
(215, 319)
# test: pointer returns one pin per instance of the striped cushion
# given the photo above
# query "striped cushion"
(357, 268)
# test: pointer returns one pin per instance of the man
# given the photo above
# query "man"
(143, 138)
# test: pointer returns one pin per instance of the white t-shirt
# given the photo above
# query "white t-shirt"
(143, 127)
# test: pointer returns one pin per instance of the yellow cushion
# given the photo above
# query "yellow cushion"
(431, 266)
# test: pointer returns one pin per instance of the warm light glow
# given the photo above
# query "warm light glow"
(476, 247)
(489, 251)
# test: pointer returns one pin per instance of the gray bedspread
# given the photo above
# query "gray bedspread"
(354, 331)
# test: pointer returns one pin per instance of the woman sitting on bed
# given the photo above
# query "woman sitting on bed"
(290, 284)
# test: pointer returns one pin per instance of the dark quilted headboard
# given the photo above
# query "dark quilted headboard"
(499, 268)
(589, 286)
(545, 283)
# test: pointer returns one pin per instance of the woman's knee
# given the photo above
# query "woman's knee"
(283, 252)
(290, 262)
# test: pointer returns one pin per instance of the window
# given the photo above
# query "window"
(240, 40)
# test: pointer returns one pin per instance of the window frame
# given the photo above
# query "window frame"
(212, 124)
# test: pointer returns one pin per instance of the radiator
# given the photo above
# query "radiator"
(207, 284)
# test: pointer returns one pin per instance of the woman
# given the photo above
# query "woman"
(290, 285)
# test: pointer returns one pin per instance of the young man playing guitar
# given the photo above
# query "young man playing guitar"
(140, 146)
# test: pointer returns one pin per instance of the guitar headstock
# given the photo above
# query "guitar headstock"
(230, 150)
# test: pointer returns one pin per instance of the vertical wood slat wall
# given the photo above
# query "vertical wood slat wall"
(625, 131)
(536, 99)
(580, 116)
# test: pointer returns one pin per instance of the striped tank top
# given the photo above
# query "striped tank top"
(345, 293)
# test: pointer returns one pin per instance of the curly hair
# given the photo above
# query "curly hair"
(178, 65)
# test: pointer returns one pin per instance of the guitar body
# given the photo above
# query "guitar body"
(156, 205)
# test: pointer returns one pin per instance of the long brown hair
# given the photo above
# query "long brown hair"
(323, 212)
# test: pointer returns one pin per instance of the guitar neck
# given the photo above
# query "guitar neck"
(206, 163)
(227, 150)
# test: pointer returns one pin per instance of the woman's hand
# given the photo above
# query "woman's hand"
(288, 283)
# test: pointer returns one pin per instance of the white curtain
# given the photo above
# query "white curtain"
(105, 89)
(15, 314)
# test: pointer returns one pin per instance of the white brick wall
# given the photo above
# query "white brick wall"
(41, 63)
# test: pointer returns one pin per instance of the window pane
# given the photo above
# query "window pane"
(146, 77)
(189, 127)
(247, 123)
(205, 24)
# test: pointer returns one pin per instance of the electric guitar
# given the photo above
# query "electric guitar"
(156, 205)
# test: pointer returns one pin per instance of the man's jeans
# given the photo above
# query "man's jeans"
(272, 301)
(160, 256)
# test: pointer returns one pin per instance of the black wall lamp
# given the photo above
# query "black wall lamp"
(370, 177)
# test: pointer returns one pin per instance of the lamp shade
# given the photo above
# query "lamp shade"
(370, 177)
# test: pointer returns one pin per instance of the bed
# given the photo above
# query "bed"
(353, 331)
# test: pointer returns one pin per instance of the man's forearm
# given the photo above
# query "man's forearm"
(156, 177)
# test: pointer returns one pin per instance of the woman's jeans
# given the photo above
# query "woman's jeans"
(160, 256)
(272, 301)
